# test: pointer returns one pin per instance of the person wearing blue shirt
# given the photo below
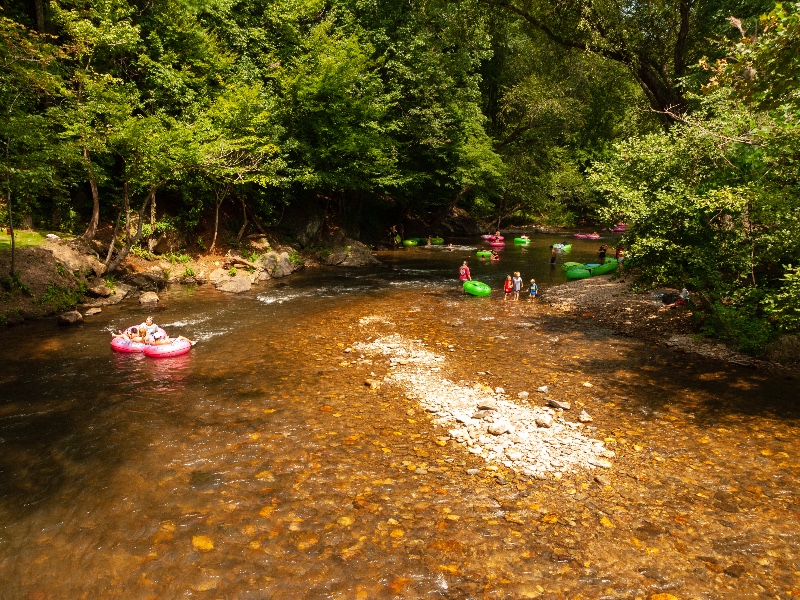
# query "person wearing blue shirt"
(533, 290)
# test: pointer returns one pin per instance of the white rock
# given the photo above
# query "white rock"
(543, 389)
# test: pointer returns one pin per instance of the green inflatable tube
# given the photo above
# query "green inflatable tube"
(477, 288)
(578, 273)
(483, 254)
(567, 266)
(437, 241)
(410, 242)
(522, 241)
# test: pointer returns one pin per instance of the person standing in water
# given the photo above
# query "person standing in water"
(517, 280)
(508, 288)
(552, 255)
(463, 273)
(533, 290)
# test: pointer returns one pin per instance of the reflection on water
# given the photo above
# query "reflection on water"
(261, 465)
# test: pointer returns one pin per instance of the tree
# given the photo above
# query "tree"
(654, 40)
(714, 202)
(94, 101)
(26, 165)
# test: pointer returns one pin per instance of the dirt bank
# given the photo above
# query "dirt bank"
(610, 303)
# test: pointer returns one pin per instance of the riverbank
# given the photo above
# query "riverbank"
(610, 302)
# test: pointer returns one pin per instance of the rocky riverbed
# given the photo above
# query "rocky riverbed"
(537, 441)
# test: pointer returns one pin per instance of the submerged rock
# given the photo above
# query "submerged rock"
(71, 317)
(148, 298)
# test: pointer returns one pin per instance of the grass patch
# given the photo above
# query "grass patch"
(23, 239)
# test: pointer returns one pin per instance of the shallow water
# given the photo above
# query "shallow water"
(260, 465)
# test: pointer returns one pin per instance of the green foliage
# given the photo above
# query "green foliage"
(176, 258)
(59, 298)
(13, 283)
(714, 202)
(232, 271)
(188, 271)
(296, 259)
(783, 306)
(143, 253)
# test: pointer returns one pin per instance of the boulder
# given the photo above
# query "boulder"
(148, 298)
(544, 420)
(100, 290)
(355, 254)
(148, 281)
(268, 262)
(284, 266)
(218, 275)
(93, 311)
(71, 317)
(234, 285)
(120, 292)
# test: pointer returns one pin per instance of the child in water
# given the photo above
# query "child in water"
(533, 290)
(517, 285)
(508, 287)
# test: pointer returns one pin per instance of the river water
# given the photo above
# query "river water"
(262, 465)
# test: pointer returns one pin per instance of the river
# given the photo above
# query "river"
(279, 459)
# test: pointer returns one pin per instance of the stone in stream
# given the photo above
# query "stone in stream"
(484, 415)
(584, 417)
(148, 298)
(544, 420)
(487, 405)
(558, 404)
(71, 317)
(499, 428)
(543, 389)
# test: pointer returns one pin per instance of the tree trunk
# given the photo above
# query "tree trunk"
(91, 230)
(152, 240)
(123, 211)
(39, 10)
(220, 192)
(11, 228)
(244, 225)
(114, 265)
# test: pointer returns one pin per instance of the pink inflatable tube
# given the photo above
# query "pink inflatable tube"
(497, 244)
(176, 348)
(123, 345)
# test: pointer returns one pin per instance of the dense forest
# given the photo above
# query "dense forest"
(679, 117)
